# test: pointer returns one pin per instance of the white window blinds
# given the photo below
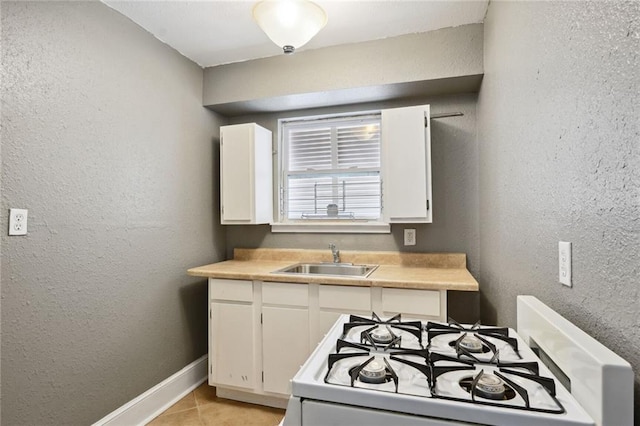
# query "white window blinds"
(331, 168)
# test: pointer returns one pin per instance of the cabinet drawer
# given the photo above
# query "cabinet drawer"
(345, 297)
(285, 294)
(238, 290)
(415, 302)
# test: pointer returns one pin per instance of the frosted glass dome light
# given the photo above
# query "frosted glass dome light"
(289, 23)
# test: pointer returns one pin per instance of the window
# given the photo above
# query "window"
(330, 169)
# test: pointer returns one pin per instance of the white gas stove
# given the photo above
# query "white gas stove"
(382, 371)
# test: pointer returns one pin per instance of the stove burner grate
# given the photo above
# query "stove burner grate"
(383, 332)
(472, 340)
(497, 389)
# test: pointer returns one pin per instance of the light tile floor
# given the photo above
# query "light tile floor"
(203, 408)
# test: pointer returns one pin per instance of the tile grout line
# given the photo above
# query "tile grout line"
(200, 404)
(198, 408)
(164, 413)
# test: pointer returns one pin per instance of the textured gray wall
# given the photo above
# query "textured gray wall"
(449, 52)
(1, 82)
(105, 141)
(455, 197)
(560, 160)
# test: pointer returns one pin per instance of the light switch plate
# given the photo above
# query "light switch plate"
(18, 221)
(564, 263)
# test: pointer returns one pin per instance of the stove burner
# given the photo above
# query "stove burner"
(374, 372)
(472, 344)
(468, 345)
(487, 386)
(382, 335)
(490, 386)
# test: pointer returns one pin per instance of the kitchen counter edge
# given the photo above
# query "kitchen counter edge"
(390, 276)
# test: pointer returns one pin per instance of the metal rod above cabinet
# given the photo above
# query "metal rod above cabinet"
(446, 114)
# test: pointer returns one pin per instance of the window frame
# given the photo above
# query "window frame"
(283, 224)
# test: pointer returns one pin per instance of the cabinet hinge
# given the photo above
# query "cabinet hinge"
(263, 377)
(427, 205)
(426, 121)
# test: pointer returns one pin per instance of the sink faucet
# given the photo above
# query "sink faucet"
(335, 252)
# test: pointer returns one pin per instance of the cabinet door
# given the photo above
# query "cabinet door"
(326, 321)
(406, 165)
(232, 348)
(236, 172)
(263, 175)
(335, 300)
(285, 346)
(245, 174)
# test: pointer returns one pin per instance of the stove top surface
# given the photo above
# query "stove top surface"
(469, 373)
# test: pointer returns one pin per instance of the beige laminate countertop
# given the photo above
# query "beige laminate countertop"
(428, 271)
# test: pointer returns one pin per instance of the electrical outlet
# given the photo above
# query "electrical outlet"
(564, 262)
(409, 237)
(18, 221)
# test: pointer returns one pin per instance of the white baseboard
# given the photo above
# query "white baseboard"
(147, 406)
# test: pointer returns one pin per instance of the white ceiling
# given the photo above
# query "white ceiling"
(222, 31)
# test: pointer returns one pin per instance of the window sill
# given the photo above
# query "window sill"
(332, 227)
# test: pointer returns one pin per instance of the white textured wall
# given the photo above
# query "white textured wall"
(105, 141)
(559, 138)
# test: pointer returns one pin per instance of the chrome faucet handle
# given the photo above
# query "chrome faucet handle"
(335, 252)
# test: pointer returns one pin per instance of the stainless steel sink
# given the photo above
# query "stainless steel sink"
(339, 269)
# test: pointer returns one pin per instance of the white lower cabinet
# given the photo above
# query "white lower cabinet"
(285, 334)
(232, 342)
(231, 334)
(260, 333)
(421, 304)
(335, 300)
(285, 346)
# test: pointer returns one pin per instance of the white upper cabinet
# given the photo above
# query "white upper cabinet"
(406, 165)
(245, 175)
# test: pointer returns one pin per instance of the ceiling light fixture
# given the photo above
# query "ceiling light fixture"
(289, 23)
